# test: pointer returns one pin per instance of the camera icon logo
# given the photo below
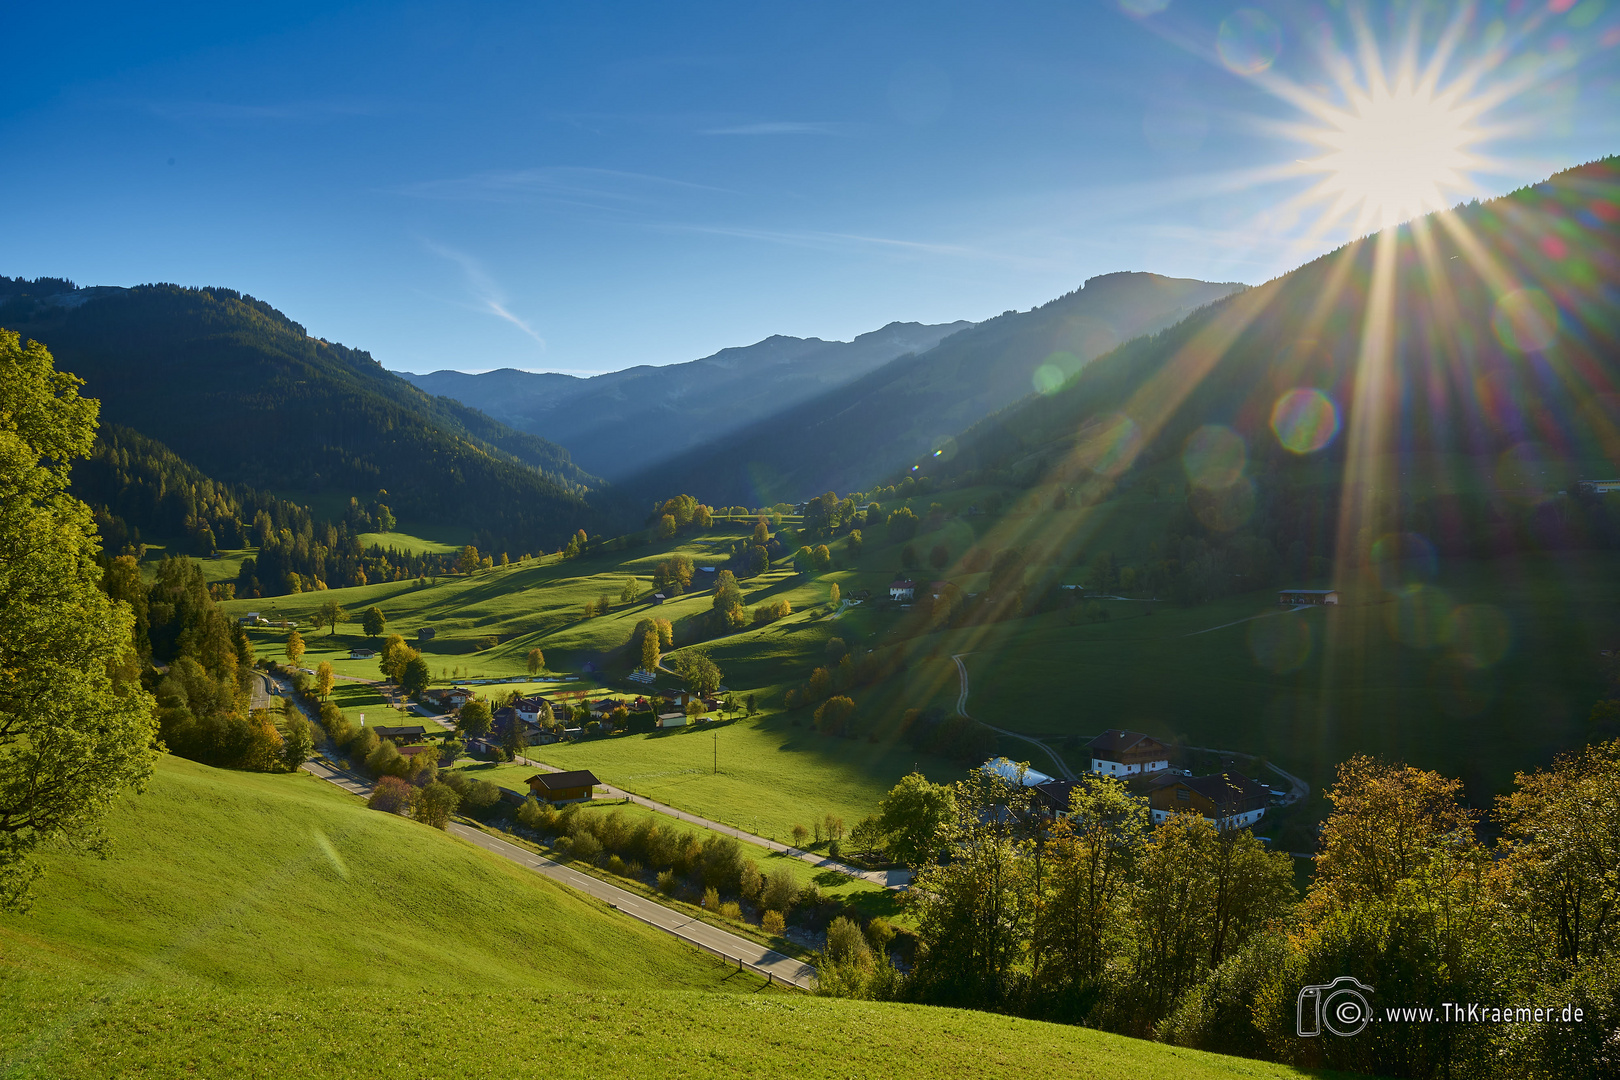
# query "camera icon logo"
(1341, 1007)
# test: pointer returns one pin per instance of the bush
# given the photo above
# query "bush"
(879, 932)
(780, 890)
(537, 816)
(750, 881)
(731, 910)
(392, 796)
(711, 899)
(772, 922)
(810, 895)
(434, 805)
(481, 799)
(361, 744)
(615, 865)
(668, 882)
(633, 869)
(586, 847)
(846, 944)
(835, 850)
(722, 863)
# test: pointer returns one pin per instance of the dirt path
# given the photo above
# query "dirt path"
(1062, 767)
(1251, 618)
(767, 961)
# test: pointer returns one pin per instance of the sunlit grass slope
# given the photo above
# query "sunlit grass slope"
(268, 926)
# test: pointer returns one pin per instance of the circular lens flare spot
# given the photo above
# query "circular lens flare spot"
(1525, 320)
(1109, 444)
(1304, 420)
(1248, 41)
(1048, 379)
(1280, 643)
(1403, 559)
(1479, 635)
(1226, 508)
(1419, 616)
(1214, 457)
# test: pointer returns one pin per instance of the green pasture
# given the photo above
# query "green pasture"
(772, 774)
(1489, 669)
(253, 925)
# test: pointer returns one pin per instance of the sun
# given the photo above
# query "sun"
(1395, 142)
(1395, 153)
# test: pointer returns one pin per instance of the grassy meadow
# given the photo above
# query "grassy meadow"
(1482, 669)
(269, 925)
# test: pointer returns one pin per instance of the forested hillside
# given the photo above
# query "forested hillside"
(1391, 380)
(242, 392)
(622, 422)
(851, 436)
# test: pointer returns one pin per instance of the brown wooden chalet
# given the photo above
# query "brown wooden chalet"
(406, 734)
(559, 787)
(1128, 753)
(1227, 800)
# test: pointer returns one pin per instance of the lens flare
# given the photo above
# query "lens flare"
(1214, 457)
(1280, 644)
(1304, 420)
(1248, 41)
(1141, 8)
(1525, 320)
(1109, 444)
(1419, 616)
(1479, 635)
(1403, 559)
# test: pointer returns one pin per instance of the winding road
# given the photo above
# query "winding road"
(1063, 770)
(767, 961)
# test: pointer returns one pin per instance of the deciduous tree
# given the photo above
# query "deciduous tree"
(373, 622)
(324, 679)
(911, 816)
(330, 612)
(536, 661)
(295, 649)
(475, 719)
(76, 729)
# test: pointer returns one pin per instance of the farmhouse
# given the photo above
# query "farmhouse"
(362, 654)
(453, 698)
(408, 733)
(560, 787)
(426, 633)
(530, 708)
(1128, 753)
(1227, 801)
(1295, 597)
(902, 589)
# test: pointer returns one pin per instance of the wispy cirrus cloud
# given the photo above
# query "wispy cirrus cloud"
(581, 185)
(785, 127)
(488, 297)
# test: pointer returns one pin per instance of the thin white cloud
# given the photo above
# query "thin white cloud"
(487, 294)
(784, 127)
(566, 183)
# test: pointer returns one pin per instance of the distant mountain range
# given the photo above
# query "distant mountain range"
(620, 423)
(848, 437)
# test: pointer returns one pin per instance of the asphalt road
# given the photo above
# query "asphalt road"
(888, 879)
(779, 968)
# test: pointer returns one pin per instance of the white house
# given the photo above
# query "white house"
(1128, 753)
(903, 589)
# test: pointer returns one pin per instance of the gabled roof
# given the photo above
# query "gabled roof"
(905, 583)
(1116, 741)
(1223, 789)
(561, 781)
(399, 732)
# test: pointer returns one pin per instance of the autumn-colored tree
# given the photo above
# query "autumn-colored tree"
(536, 661)
(762, 532)
(667, 526)
(373, 622)
(467, 562)
(295, 649)
(822, 556)
(324, 679)
(330, 612)
(834, 596)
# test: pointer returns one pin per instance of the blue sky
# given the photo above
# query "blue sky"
(581, 188)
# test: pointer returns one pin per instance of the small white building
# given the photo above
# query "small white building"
(903, 589)
(1009, 771)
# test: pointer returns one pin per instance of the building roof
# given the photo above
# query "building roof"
(1307, 592)
(1116, 741)
(902, 583)
(562, 781)
(1224, 789)
(408, 730)
(1008, 770)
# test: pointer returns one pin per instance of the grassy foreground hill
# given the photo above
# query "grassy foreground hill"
(268, 926)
